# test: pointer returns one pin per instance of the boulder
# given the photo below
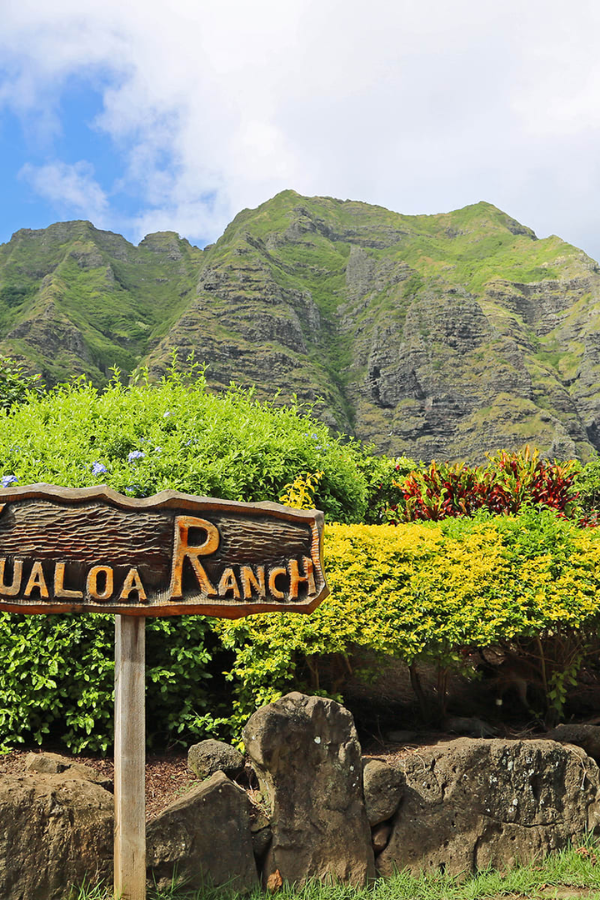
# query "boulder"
(47, 763)
(208, 757)
(55, 831)
(383, 785)
(380, 836)
(473, 803)
(585, 736)
(260, 826)
(54, 764)
(307, 757)
(204, 837)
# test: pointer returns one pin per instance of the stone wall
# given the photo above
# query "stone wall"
(318, 809)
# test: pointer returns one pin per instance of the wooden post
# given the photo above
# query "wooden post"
(130, 761)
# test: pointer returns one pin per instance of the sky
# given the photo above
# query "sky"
(148, 116)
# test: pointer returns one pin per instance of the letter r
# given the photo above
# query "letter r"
(182, 549)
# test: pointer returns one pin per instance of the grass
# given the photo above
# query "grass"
(561, 875)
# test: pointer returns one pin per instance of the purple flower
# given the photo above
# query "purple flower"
(99, 468)
(167, 414)
(158, 449)
(135, 454)
(7, 480)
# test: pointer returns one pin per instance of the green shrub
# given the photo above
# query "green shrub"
(587, 485)
(57, 671)
(16, 385)
(143, 439)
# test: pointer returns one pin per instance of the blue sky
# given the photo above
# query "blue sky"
(148, 116)
(24, 145)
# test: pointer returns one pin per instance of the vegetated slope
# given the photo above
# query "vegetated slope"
(439, 336)
(75, 300)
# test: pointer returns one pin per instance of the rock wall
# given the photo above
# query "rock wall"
(321, 811)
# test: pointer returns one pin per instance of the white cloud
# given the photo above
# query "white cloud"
(70, 188)
(421, 107)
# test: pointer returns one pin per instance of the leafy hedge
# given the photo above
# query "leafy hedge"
(427, 591)
(415, 591)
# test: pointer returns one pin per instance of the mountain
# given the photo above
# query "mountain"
(440, 336)
(76, 300)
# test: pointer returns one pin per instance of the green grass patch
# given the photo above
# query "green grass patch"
(574, 869)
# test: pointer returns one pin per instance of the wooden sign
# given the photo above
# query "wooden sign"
(94, 550)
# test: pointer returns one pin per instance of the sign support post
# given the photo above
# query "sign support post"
(130, 763)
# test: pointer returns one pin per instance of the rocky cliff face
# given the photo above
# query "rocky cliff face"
(441, 336)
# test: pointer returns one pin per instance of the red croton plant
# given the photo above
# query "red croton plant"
(504, 485)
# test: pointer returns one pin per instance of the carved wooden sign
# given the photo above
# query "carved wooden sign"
(94, 550)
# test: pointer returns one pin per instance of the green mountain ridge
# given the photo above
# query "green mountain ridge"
(439, 336)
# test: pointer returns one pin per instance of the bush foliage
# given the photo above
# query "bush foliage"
(16, 385)
(507, 483)
(57, 672)
(455, 577)
(143, 439)
(427, 591)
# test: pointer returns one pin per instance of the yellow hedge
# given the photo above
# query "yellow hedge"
(426, 589)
